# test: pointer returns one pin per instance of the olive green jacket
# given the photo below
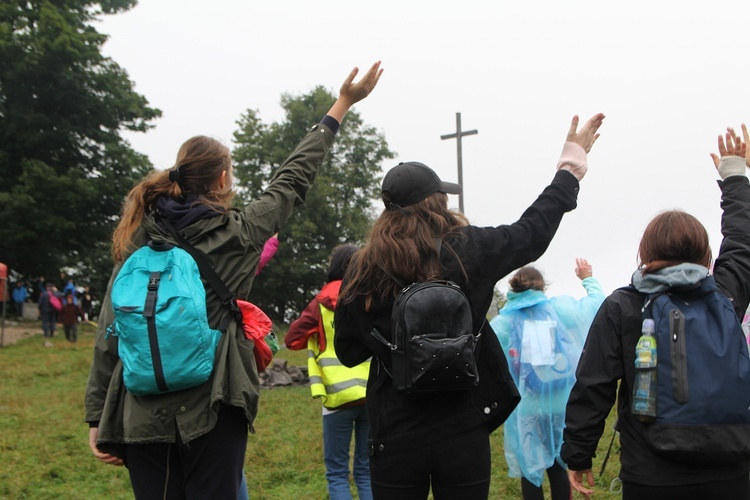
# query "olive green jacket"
(233, 244)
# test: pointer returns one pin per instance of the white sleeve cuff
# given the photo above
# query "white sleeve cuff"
(731, 165)
(573, 159)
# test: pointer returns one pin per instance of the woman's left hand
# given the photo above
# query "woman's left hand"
(104, 457)
(577, 477)
(587, 136)
(732, 150)
(733, 145)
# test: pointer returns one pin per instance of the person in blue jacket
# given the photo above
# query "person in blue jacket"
(542, 338)
(20, 294)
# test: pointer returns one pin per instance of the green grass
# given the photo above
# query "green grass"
(44, 442)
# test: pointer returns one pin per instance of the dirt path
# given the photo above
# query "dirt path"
(15, 330)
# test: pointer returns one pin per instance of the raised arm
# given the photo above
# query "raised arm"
(585, 138)
(732, 266)
(291, 182)
(512, 246)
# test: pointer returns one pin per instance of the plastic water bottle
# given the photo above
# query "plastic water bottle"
(644, 391)
(273, 342)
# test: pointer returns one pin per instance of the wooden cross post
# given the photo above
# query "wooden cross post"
(458, 135)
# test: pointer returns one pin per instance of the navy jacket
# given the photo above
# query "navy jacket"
(609, 357)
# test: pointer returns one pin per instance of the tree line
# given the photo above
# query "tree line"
(65, 167)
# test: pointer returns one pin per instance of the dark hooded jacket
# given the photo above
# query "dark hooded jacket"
(609, 357)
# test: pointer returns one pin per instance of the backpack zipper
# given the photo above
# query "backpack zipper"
(678, 356)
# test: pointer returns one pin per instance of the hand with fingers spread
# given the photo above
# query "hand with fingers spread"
(352, 92)
(587, 136)
(573, 159)
(732, 150)
(583, 269)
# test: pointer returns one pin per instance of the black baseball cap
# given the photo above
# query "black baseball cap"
(411, 182)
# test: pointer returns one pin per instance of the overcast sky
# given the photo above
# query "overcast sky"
(669, 75)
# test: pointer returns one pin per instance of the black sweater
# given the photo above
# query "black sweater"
(406, 421)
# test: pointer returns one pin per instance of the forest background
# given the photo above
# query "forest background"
(65, 166)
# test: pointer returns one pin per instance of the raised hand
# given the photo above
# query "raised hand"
(355, 92)
(734, 146)
(732, 150)
(587, 136)
(583, 269)
(352, 92)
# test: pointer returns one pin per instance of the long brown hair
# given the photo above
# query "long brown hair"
(200, 163)
(673, 237)
(404, 245)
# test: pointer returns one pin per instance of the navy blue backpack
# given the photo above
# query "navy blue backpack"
(703, 377)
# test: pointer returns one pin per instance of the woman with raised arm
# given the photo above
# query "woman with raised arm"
(193, 441)
(674, 259)
(441, 440)
(542, 338)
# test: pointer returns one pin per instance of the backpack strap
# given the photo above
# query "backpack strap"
(379, 336)
(648, 297)
(685, 294)
(149, 311)
(392, 347)
(209, 274)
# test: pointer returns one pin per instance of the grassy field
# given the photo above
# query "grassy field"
(43, 440)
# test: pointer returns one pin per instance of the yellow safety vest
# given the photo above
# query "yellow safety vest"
(330, 380)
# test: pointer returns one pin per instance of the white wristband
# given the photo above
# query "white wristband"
(731, 165)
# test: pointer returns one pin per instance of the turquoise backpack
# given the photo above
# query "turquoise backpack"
(159, 302)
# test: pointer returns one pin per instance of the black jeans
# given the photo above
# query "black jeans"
(559, 485)
(729, 489)
(456, 467)
(209, 466)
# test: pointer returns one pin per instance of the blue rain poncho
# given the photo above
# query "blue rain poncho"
(542, 338)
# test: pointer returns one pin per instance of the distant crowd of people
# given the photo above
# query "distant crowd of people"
(61, 303)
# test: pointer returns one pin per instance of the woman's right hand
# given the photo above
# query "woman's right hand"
(587, 136)
(352, 92)
(104, 457)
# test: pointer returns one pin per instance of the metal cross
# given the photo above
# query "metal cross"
(458, 135)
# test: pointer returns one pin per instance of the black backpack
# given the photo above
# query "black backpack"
(434, 347)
